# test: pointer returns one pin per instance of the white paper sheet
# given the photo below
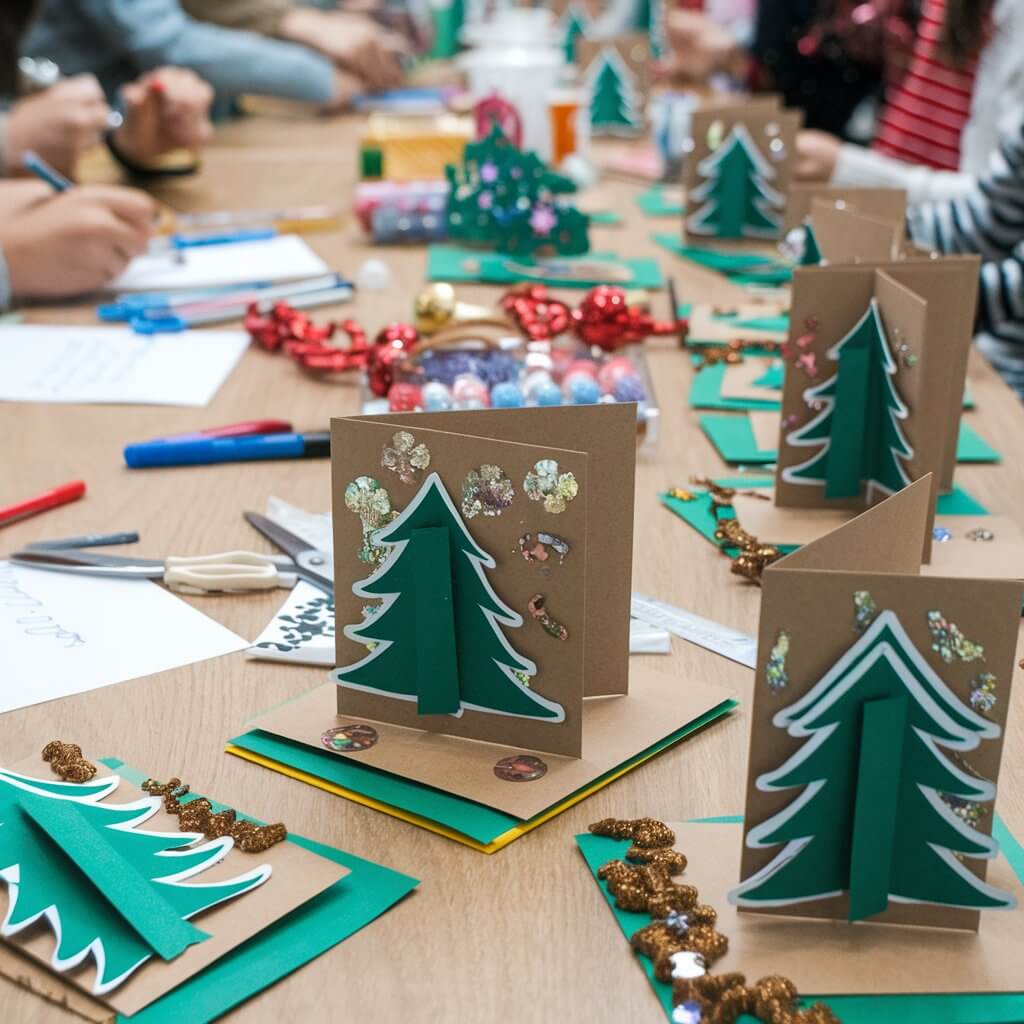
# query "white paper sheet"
(62, 634)
(285, 258)
(114, 365)
(704, 632)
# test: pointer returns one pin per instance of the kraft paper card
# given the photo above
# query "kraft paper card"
(98, 854)
(880, 703)
(617, 73)
(876, 362)
(844, 235)
(867, 973)
(888, 204)
(738, 172)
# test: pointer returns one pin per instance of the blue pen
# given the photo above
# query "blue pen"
(131, 304)
(222, 237)
(35, 164)
(204, 451)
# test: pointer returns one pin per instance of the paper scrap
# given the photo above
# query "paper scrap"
(313, 527)
(63, 634)
(115, 365)
(704, 632)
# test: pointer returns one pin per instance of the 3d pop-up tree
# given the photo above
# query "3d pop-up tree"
(511, 200)
(437, 638)
(857, 431)
(870, 819)
(613, 104)
(573, 25)
(106, 888)
(735, 196)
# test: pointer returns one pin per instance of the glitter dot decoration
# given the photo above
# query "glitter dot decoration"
(864, 610)
(547, 483)
(981, 534)
(405, 458)
(538, 548)
(68, 761)
(520, 768)
(940, 534)
(776, 674)
(350, 739)
(969, 812)
(367, 499)
(537, 607)
(983, 692)
(486, 491)
(949, 642)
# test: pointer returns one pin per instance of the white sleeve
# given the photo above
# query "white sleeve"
(856, 165)
(5, 284)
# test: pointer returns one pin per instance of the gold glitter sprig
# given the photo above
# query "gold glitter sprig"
(67, 761)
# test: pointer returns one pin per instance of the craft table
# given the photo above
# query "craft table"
(523, 934)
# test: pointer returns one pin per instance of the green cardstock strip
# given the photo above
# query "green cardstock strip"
(476, 821)
(308, 931)
(877, 802)
(654, 204)
(456, 264)
(772, 379)
(849, 458)
(706, 393)
(607, 218)
(987, 1008)
(741, 268)
(437, 669)
(811, 255)
(123, 880)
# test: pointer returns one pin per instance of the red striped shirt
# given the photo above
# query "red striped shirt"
(925, 114)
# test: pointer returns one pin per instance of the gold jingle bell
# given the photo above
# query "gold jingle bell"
(436, 309)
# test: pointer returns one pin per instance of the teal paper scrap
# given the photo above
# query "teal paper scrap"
(741, 268)
(653, 203)
(968, 1008)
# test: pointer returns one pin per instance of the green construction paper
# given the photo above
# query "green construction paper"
(876, 805)
(882, 664)
(118, 875)
(609, 218)
(738, 201)
(971, 447)
(469, 818)
(811, 256)
(492, 675)
(612, 104)
(50, 875)
(741, 268)
(969, 1008)
(435, 664)
(653, 203)
(760, 323)
(848, 455)
(318, 925)
(773, 378)
(456, 264)
(706, 393)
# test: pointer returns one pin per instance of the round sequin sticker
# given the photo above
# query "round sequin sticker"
(520, 768)
(545, 482)
(486, 491)
(350, 739)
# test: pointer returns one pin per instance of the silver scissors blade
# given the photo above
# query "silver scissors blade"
(312, 564)
(90, 563)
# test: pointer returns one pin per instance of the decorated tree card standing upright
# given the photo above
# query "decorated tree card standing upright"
(738, 171)
(617, 75)
(482, 594)
(876, 361)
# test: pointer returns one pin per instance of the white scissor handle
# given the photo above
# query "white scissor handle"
(228, 571)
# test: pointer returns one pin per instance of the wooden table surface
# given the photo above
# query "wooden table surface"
(524, 934)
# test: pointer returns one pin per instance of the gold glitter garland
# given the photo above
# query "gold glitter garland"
(198, 816)
(67, 761)
(683, 925)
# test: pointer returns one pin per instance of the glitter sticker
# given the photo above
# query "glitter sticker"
(537, 609)
(949, 643)
(777, 676)
(687, 1012)
(864, 610)
(486, 491)
(367, 499)
(405, 457)
(983, 692)
(350, 738)
(688, 965)
(520, 768)
(981, 533)
(941, 534)
(538, 548)
(969, 812)
(545, 483)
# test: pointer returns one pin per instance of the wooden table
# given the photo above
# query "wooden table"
(523, 935)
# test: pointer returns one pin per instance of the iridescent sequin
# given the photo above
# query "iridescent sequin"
(941, 534)
(949, 643)
(983, 692)
(367, 499)
(405, 457)
(486, 491)
(776, 674)
(864, 610)
(545, 482)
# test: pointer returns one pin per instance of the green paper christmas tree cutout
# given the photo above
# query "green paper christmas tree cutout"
(510, 200)
(438, 636)
(857, 431)
(650, 18)
(811, 255)
(870, 820)
(612, 95)
(107, 888)
(737, 200)
(574, 25)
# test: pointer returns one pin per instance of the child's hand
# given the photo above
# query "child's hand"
(75, 241)
(163, 110)
(816, 155)
(353, 42)
(346, 88)
(59, 123)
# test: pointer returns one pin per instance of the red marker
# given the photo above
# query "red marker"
(42, 503)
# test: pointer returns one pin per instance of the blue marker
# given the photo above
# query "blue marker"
(204, 451)
(35, 164)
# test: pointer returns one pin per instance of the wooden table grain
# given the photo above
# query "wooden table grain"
(524, 934)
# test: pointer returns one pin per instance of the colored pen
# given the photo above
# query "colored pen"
(35, 164)
(41, 72)
(43, 502)
(248, 428)
(204, 239)
(203, 451)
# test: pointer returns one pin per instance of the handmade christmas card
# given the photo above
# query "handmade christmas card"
(877, 729)
(835, 233)
(738, 171)
(746, 322)
(875, 367)
(133, 893)
(482, 599)
(617, 76)
(889, 204)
